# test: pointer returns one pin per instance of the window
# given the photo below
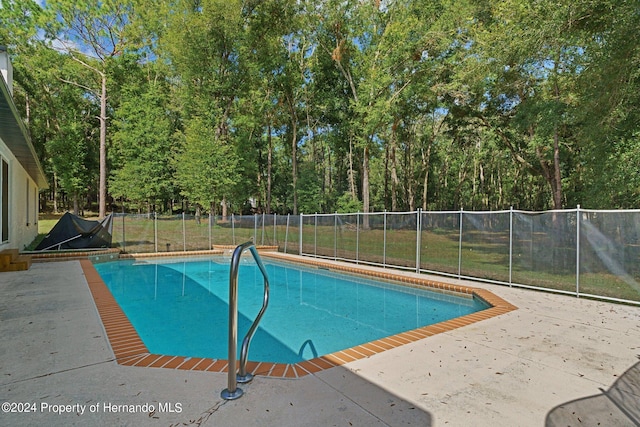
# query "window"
(36, 205)
(28, 195)
(4, 200)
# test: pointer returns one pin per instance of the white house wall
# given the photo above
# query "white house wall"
(23, 203)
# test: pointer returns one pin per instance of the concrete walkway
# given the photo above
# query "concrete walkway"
(556, 361)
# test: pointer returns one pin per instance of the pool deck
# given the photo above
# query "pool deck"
(556, 360)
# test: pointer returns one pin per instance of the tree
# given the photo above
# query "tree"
(142, 140)
(204, 167)
(382, 51)
(268, 98)
(609, 106)
(59, 116)
(398, 104)
(63, 124)
(92, 34)
(201, 42)
(531, 59)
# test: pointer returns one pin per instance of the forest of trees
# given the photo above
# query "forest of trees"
(331, 105)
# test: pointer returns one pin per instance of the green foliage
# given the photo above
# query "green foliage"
(616, 177)
(19, 23)
(393, 105)
(348, 204)
(62, 119)
(204, 166)
(309, 190)
(141, 150)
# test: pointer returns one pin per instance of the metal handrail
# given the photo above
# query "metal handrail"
(61, 243)
(232, 391)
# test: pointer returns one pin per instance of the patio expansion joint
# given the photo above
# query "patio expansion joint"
(62, 371)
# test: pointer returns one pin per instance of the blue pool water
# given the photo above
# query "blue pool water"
(180, 307)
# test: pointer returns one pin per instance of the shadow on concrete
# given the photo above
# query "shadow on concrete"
(617, 406)
(336, 396)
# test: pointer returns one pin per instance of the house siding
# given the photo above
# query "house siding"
(23, 175)
(22, 203)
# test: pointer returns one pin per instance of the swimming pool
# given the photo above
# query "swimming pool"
(179, 307)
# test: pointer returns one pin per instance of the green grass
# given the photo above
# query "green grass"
(483, 255)
(45, 224)
(138, 234)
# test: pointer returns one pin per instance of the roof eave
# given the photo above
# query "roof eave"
(14, 134)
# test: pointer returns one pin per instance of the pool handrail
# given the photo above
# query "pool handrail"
(233, 391)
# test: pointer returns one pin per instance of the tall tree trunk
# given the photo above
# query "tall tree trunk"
(103, 149)
(365, 188)
(483, 191)
(352, 180)
(328, 182)
(557, 178)
(269, 167)
(551, 172)
(426, 158)
(198, 213)
(55, 193)
(410, 180)
(474, 186)
(500, 189)
(224, 208)
(76, 204)
(386, 177)
(27, 107)
(294, 164)
(394, 170)
(294, 149)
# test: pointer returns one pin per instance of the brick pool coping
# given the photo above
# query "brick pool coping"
(70, 255)
(129, 350)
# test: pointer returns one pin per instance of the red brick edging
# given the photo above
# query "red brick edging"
(129, 350)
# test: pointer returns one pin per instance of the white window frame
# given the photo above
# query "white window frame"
(5, 175)
(28, 195)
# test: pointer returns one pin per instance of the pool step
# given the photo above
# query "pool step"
(11, 260)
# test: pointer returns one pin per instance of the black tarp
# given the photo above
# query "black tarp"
(73, 232)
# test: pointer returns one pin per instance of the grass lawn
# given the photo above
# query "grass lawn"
(45, 224)
(544, 263)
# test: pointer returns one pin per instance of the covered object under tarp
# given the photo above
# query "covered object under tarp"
(73, 232)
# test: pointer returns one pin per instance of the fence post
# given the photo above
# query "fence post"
(210, 226)
(255, 229)
(335, 236)
(300, 235)
(233, 230)
(275, 226)
(578, 215)
(286, 234)
(155, 231)
(124, 234)
(384, 239)
(418, 238)
(460, 247)
(184, 234)
(510, 244)
(358, 238)
(315, 235)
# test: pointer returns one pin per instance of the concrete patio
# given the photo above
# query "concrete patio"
(556, 361)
